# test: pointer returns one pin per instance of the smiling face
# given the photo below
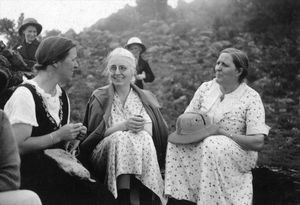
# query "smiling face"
(226, 72)
(65, 68)
(30, 33)
(120, 71)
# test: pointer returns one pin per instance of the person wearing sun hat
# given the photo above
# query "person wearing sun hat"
(28, 31)
(143, 70)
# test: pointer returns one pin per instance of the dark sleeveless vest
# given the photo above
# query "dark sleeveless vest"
(35, 166)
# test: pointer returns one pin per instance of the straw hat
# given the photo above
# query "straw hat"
(189, 125)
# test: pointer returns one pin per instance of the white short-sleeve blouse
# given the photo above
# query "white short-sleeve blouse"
(20, 108)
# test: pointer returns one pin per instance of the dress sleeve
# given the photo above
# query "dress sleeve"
(255, 117)
(20, 108)
(195, 104)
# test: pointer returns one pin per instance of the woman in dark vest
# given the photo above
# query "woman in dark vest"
(39, 112)
(28, 31)
(143, 70)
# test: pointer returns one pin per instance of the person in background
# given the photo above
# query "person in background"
(39, 112)
(143, 70)
(127, 134)
(10, 163)
(28, 31)
(214, 167)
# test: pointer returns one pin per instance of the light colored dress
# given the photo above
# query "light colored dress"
(125, 152)
(217, 170)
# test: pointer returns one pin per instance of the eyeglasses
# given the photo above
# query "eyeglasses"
(113, 68)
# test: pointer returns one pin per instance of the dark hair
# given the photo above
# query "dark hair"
(51, 50)
(240, 60)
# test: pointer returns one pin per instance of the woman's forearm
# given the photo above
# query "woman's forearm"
(118, 127)
(247, 142)
(29, 144)
(32, 144)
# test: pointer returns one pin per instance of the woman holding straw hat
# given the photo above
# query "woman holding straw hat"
(212, 164)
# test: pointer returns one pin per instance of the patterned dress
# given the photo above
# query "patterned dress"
(217, 170)
(125, 152)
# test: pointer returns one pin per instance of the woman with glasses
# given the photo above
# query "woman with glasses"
(126, 132)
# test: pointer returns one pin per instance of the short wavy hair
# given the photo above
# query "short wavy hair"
(128, 56)
(240, 60)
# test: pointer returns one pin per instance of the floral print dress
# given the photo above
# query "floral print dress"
(217, 170)
(125, 152)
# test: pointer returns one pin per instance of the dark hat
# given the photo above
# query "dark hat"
(135, 40)
(30, 22)
(52, 50)
(189, 125)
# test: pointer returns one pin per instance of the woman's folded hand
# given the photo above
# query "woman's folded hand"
(135, 123)
(69, 132)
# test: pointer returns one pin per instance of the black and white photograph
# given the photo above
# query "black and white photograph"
(149, 102)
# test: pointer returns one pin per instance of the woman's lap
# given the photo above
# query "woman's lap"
(216, 163)
(127, 153)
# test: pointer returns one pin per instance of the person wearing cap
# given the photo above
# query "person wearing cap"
(127, 134)
(210, 162)
(143, 70)
(39, 112)
(10, 162)
(28, 31)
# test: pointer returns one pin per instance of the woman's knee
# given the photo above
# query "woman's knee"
(20, 197)
(30, 198)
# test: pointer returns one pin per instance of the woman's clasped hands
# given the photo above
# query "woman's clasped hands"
(69, 132)
(135, 123)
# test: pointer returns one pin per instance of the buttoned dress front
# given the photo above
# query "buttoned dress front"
(217, 170)
(125, 152)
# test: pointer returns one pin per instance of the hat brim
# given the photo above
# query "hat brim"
(37, 25)
(142, 46)
(194, 137)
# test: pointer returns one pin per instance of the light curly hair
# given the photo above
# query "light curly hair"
(128, 58)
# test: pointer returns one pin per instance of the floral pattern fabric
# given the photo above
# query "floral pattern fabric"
(217, 170)
(125, 152)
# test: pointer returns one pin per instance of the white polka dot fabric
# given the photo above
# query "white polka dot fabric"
(217, 170)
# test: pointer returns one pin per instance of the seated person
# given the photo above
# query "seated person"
(213, 165)
(127, 135)
(39, 112)
(10, 164)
